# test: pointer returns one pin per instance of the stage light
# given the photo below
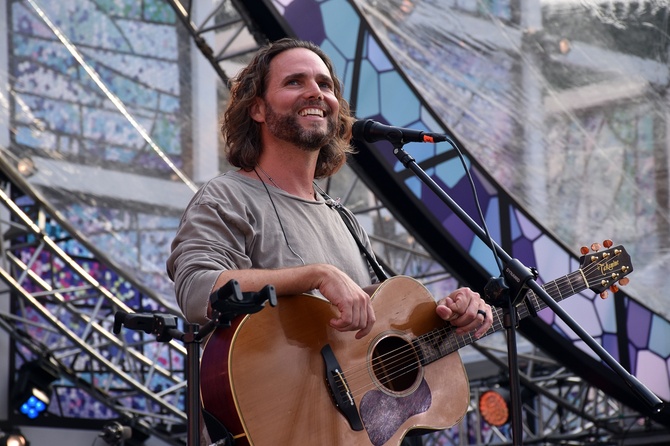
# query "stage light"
(32, 392)
(26, 167)
(564, 46)
(14, 438)
(494, 406)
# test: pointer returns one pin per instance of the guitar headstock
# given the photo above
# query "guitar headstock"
(605, 270)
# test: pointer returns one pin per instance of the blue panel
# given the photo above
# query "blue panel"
(659, 341)
(414, 185)
(339, 12)
(482, 253)
(451, 172)
(338, 59)
(606, 314)
(368, 91)
(399, 104)
(492, 215)
(377, 56)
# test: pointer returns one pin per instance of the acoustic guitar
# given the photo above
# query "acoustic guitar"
(284, 377)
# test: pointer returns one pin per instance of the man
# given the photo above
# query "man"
(285, 126)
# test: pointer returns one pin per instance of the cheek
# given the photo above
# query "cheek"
(333, 104)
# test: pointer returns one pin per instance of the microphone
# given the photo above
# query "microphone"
(373, 131)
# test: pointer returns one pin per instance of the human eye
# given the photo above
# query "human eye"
(326, 85)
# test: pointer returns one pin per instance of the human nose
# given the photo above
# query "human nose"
(313, 90)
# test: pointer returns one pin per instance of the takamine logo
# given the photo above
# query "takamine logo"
(608, 266)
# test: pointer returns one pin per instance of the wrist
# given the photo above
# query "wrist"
(316, 273)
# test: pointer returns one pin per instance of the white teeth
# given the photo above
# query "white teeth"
(311, 111)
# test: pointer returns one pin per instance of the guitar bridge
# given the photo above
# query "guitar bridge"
(339, 389)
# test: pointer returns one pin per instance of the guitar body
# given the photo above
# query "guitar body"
(264, 377)
(273, 377)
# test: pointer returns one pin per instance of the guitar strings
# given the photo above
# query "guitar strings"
(445, 341)
(395, 359)
(440, 338)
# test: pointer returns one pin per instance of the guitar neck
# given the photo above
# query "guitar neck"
(443, 341)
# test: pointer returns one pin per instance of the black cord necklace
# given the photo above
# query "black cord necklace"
(274, 206)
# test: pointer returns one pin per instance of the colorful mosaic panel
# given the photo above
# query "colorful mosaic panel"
(52, 272)
(81, 72)
(60, 111)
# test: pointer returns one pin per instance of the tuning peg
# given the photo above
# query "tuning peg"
(624, 281)
(604, 295)
(608, 243)
(584, 250)
(614, 288)
(596, 247)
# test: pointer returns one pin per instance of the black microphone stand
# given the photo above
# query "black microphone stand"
(508, 292)
(227, 303)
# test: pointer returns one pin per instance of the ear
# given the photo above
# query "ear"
(257, 110)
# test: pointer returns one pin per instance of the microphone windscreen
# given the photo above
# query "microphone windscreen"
(359, 128)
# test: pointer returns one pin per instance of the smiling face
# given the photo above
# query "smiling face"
(299, 105)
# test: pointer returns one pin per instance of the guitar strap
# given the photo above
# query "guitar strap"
(346, 217)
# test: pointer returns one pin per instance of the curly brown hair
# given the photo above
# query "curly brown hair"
(242, 134)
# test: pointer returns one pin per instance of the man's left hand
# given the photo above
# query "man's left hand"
(467, 311)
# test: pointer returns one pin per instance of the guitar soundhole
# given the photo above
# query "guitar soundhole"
(395, 364)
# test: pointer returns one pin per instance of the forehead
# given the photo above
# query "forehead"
(297, 61)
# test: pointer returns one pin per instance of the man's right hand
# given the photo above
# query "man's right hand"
(353, 303)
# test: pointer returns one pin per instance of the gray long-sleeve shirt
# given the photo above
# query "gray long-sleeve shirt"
(231, 223)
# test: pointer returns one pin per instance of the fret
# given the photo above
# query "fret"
(557, 293)
(572, 288)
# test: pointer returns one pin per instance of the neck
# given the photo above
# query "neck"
(292, 174)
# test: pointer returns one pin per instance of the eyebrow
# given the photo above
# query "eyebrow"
(302, 75)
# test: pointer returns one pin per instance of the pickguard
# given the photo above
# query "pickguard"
(383, 414)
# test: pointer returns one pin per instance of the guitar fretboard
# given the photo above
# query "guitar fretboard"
(443, 341)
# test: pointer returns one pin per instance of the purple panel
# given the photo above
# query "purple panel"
(529, 229)
(306, 20)
(440, 210)
(522, 249)
(459, 230)
(385, 148)
(638, 325)
(461, 193)
(609, 343)
(547, 315)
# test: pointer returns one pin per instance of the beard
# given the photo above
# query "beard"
(287, 128)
